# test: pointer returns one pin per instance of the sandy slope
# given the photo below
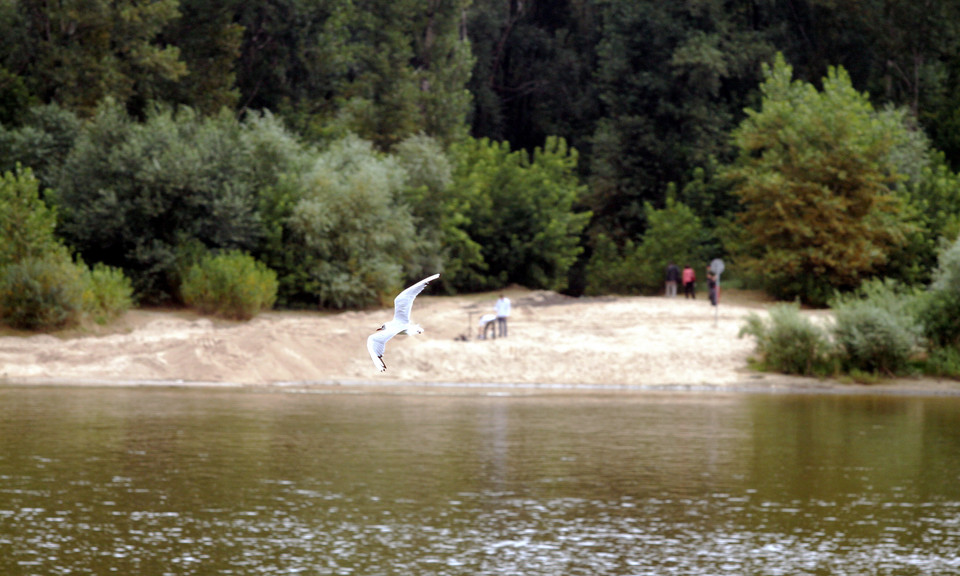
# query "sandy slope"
(554, 340)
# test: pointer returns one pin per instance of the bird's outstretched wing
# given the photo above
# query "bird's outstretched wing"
(404, 301)
(376, 345)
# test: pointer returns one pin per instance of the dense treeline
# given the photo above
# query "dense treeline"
(353, 145)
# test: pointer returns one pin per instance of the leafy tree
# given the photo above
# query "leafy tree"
(521, 213)
(42, 142)
(441, 211)
(920, 183)
(209, 40)
(352, 235)
(534, 72)
(383, 69)
(134, 195)
(673, 78)
(15, 98)
(933, 190)
(295, 57)
(943, 124)
(26, 223)
(410, 72)
(910, 46)
(937, 194)
(15, 94)
(673, 234)
(84, 51)
(815, 181)
(707, 194)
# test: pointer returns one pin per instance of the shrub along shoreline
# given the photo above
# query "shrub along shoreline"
(883, 330)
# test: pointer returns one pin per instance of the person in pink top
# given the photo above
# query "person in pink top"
(689, 282)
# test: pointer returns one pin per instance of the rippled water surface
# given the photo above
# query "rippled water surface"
(146, 481)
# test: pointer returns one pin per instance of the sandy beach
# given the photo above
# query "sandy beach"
(556, 343)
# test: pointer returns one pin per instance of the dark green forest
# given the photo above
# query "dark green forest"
(352, 146)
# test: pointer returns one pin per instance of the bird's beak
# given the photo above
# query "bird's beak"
(380, 328)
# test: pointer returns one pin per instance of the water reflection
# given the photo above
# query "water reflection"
(212, 482)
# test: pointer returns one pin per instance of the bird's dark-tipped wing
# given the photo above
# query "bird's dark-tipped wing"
(404, 301)
(376, 345)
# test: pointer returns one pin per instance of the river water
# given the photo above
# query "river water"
(184, 481)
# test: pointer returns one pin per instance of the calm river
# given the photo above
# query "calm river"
(180, 481)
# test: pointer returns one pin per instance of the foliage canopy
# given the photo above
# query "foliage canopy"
(133, 194)
(815, 181)
(26, 223)
(520, 211)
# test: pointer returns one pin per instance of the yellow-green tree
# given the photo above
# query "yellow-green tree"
(26, 223)
(815, 181)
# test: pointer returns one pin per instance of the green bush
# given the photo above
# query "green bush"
(871, 339)
(41, 293)
(107, 293)
(232, 284)
(938, 316)
(875, 329)
(943, 362)
(941, 305)
(609, 272)
(789, 342)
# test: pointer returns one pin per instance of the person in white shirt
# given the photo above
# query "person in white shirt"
(502, 308)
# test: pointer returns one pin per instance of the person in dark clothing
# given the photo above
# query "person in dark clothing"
(712, 286)
(673, 278)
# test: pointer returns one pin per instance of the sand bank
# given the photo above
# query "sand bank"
(555, 344)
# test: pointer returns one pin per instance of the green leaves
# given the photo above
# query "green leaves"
(41, 292)
(521, 213)
(83, 52)
(674, 234)
(26, 223)
(789, 342)
(673, 77)
(815, 180)
(231, 284)
(352, 231)
(132, 193)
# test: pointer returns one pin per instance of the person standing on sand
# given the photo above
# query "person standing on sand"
(689, 282)
(673, 277)
(712, 286)
(502, 307)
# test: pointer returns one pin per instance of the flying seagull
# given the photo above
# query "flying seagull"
(377, 342)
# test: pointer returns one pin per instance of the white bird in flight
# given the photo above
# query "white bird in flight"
(377, 342)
